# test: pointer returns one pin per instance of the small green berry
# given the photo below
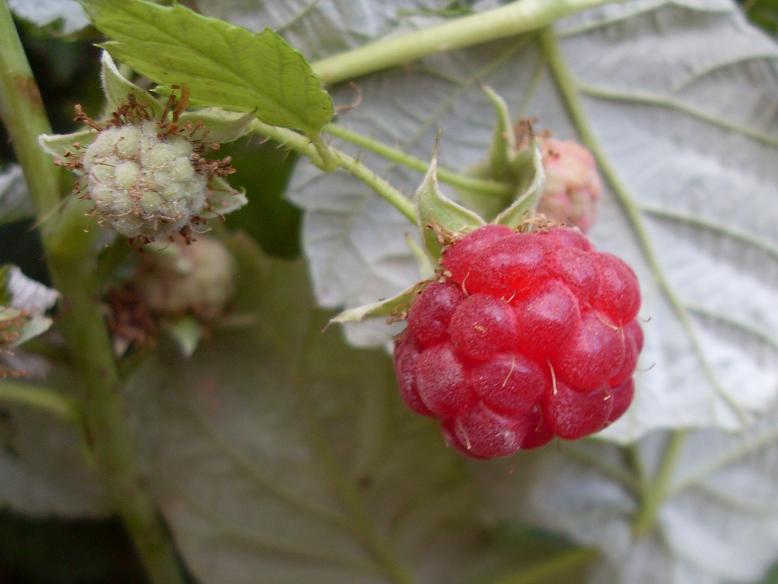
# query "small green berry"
(144, 185)
(196, 278)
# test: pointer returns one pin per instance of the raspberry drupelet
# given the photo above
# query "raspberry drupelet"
(524, 337)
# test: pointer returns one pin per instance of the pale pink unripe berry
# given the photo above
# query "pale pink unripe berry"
(573, 186)
(142, 185)
(181, 278)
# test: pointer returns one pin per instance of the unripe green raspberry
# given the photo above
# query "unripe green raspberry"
(142, 185)
(573, 186)
(180, 278)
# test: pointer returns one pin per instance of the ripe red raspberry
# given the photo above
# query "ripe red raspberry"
(524, 337)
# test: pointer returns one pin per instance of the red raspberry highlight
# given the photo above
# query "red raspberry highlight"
(483, 325)
(593, 355)
(511, 384)
(619, 293)
(460, 258)
(506, 267)
(482, 433)
(432, 312)
(545, 317)
(525, 337)
(441, 382)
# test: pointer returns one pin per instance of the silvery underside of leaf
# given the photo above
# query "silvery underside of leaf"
(691, 156)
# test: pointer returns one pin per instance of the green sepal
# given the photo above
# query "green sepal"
(436, 212)
(118, 88)
(529, 188)
(218, 125)
(59, 145)
(23, 303)
(503, 147)
(34, 327)
(396, 306)
(187, 333)
(514, 159)
(222, 199)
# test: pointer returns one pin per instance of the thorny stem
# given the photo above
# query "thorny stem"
(511, 20)
(303, 145)
(68, 242)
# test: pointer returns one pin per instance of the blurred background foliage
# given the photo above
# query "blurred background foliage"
(55, 551)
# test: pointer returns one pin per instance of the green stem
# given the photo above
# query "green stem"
(68, 239)
(655, 491)
(303, 145)
(469, 183)
(40, 398)
(511, 20)
(559, 565)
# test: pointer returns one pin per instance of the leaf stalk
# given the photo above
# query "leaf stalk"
(302, 145)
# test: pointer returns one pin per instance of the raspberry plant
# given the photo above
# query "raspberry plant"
(256, 448)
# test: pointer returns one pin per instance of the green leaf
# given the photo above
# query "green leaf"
(764, 13)
(221, 64)
(436, 211)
